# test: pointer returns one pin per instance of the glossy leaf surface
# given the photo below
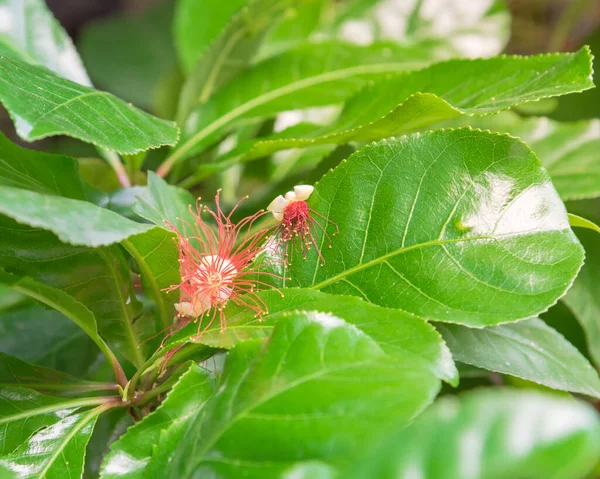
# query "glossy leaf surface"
(55, 452)
(132, 455)
(30, 33)
(24, 411)
(492, 200)
(42, 104)
(442, 91)
(323, 384)
(396, 332)
(492, 434)
(529, 350)
(569, 151)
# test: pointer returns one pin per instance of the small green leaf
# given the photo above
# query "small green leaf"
(133, 453)
(55, 452)
(461, 226)
(580, 222)
(396, 332)
(14, 372)
(491, 434)
(198, 25)
(323, 385)
(30, 33)
(445, 90)
(529, 350)
(162, 201)
(140, 48)
(42, 104)
(73, 221)
(24, 411)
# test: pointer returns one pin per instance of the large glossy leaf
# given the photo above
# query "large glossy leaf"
(569, 151)
(14, 372)
(39, 172)
(323, 385)
(99, 278)
(452, 27)
(42, 104)
(139, 48)
(55, 452)
(461, 226)
(24, 411)
(73, 221)
(30, 32)
(396, 332)
(442, 91)
(132, 454)
(491, 434)
(50, 338)
(313, 75)
(528, 349)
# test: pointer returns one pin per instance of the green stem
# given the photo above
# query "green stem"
(115, 162)
(164, 387)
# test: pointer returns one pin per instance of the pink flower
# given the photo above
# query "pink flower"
(216, 265)
(297, 220)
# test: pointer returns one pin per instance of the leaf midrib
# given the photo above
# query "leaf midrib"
(74, 403)
(383, 258)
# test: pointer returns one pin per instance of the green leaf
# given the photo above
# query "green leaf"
(39, 172)
(30, 33)
(56, 299)
(312, 75)
(567, 150)
(99, 278)
(491, 434)
(14, 372)
(529, 350)
(73, 221)
(583, 299)
(24, 411)
(156, 255)
(55, 452)
(580, 222)
(323, 385)
(45, 337)
(461, 226)
(42, 104)
(133, 453)
(396, 332)
(162, 201)
(445, 90)
(139, 48)
(198, 25)
(236, 32)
